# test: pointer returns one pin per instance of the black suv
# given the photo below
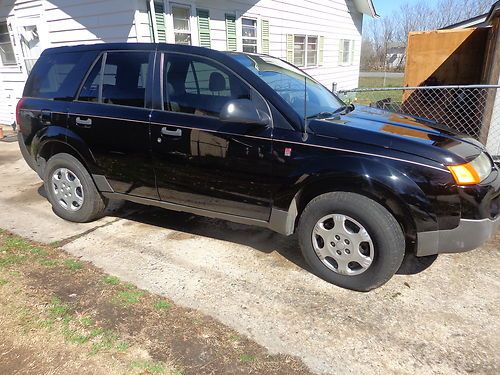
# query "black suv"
(252, 139)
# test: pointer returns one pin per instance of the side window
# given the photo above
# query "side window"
(124, 79)
(109, 75)
(57, 76)
(90, 89)
(197, 86)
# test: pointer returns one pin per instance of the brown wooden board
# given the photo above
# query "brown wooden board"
(445, 57)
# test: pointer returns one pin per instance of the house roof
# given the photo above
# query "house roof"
(482, 20)
(366, 7)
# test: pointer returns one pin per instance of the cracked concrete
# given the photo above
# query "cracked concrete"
(441, 320)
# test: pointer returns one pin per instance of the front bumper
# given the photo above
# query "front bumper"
(469, 235)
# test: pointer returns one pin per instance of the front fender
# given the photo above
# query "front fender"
(401, 187)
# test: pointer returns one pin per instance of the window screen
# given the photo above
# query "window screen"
(182, 25)
(6, 51)
(249, 35)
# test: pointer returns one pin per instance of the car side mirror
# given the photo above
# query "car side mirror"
(243, 111)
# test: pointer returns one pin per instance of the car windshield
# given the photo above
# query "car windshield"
(306, 96)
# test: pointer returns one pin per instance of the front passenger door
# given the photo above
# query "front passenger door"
(201, 161)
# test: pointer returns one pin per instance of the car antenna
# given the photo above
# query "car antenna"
(304, 134)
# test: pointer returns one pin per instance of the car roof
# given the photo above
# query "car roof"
(141, 46)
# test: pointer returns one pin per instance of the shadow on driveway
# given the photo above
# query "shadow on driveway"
(261, 239)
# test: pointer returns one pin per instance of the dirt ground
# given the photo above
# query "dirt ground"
(60, 315)
(434, 317)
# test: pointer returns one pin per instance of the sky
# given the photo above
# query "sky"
(385, 7)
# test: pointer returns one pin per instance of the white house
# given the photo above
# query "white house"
(322, 36)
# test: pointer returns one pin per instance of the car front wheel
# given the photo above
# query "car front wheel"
(351, 240)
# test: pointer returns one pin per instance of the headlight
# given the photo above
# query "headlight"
(472, 173)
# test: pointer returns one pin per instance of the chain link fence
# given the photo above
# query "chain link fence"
(472, 110)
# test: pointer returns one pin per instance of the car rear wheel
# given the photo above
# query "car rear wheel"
(351, 240)
(71, 190)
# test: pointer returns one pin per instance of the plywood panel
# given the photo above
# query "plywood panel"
(445, 57)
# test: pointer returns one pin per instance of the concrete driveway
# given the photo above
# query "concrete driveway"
(442, 319)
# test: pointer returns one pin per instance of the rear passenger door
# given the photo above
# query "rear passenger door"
(201, 161)
(111, 117)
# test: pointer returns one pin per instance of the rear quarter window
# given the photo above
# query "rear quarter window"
(58, 75)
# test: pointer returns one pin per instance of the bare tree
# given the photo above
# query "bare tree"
(448, 12)
(393, 30)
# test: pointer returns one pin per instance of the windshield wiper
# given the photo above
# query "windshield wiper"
(342, 110)
(345, 109)
(321, 115)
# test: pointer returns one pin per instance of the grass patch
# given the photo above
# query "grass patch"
(162, 305)
(75, 337)
(111, 280)
(48, 262)
(128, 297)
(247, 358)
(367, 82)
(58, 309)
(17, 243)
(149, 366)
(122, 346)
(86, 321)
(11, 259)
(73, 265)
(46, 323)
(3, 282)
(38, 251)
(108, 341)
(234, 338)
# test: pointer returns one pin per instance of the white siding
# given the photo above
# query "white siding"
(12, 77)
(70, 22)
(333, 19)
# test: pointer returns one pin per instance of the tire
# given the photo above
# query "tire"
(380, 256)
(83, 203)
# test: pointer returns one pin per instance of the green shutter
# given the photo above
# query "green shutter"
(265, 36)
(230, 32)
(289, 48)
(321, 50)
(160, 22)
(204, 27)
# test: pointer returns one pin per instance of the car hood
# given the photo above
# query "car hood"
(404, 133)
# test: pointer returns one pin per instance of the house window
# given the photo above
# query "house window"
(312, 51)
(346, 52)
(182, 25)
(299, 50)
(249, 35)
(305, 50)
(6, 50)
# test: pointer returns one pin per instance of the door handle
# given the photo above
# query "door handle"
(45, 117)
(173, 133)
(83, 122)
